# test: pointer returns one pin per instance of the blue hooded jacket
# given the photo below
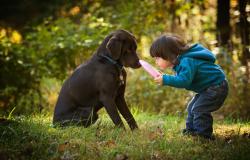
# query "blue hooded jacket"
(196, 70)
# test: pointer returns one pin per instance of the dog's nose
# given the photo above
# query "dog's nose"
(138, 64)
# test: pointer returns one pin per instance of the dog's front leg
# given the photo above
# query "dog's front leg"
(124, 110)
(111, 108)
(122, 105)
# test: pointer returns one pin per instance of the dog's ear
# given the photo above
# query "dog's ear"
(114, 46)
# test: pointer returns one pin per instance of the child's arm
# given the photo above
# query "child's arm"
(184, 76)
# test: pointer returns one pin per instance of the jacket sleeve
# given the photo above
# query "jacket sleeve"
(184, 75)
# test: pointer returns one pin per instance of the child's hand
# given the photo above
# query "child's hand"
(159, 79)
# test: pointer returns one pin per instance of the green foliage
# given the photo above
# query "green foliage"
(159, 137)
(16, 71)
(53, 49)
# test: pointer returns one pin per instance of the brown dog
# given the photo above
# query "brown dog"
(99, 82)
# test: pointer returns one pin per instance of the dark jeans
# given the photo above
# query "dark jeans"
(199, 119)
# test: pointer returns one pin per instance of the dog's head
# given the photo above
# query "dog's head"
(122, 46)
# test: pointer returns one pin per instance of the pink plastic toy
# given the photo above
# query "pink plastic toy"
(150, 69)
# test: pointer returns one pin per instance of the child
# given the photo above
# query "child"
(196, 71)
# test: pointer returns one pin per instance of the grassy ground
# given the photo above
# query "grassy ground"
(158, 138)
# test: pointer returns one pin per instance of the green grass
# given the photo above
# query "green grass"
(158, 138)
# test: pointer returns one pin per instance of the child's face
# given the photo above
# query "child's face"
(162, 63)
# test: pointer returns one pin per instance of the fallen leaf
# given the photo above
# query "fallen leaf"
(108, 143)
(158, 133)
(62, 147)
(246, 135)
(121, 157)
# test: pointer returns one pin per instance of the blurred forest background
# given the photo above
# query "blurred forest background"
(42, 41)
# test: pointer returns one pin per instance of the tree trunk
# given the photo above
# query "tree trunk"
(245, 58)
(244, 31)
(223, 22)
(173, 15)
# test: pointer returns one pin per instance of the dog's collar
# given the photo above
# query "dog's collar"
(117, 64)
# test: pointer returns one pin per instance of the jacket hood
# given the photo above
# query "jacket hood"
(197, 51)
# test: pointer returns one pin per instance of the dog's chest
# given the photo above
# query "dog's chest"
(121, 80)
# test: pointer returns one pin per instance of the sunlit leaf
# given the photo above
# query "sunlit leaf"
(16, 37)
(74, 11)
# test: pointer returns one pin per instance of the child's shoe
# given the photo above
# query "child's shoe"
(188, 132)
